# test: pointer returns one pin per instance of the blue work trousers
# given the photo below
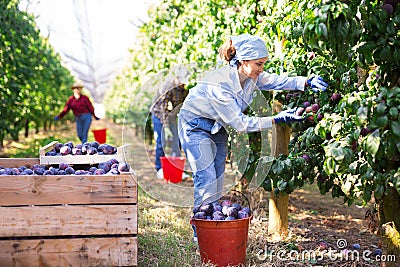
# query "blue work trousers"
(206, 154)
(83, 122)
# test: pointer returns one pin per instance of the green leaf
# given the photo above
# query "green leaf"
(381, 122)
(393, 112)
(362, 115)
(372, 143)
(395, 127)
(282, 185)
(380, 108)
(323, 30)
(379, 191)
(336, 128)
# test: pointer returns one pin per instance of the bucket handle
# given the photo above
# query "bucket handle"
(232, 190)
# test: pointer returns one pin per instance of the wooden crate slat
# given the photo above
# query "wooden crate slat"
(66, 189)
(17, 162)
(68, 220)
(69, 252)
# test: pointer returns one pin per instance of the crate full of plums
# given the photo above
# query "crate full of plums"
(66, 214)
(86, 153)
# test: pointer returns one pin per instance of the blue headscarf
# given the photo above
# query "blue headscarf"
(248, 47)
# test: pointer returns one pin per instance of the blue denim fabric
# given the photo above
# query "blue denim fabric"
(175, 145)
(157, 127)
(206, 153)
(83, 122)
(160, 139)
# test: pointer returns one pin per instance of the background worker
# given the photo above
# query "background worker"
(83, 111)
(164, 117)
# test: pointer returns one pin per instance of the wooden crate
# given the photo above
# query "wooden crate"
(67, 220)
(121, 155)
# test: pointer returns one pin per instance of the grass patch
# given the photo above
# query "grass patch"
(165, 234)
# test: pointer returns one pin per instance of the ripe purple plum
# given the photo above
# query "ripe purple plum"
(306, 157)
(70, 144)
(63, 166)
(27, 172)
(76, 151)
(335, 97)
(51, 153)
(57, 147)
(243, 214)
(237, 206)
(91, 150)
(232, 212)
(105, 166)
(114, 161)
(69, 170)
(208, 209)
(84, 149)
(65, 150)
(200, 215)
(246, 209)
(217, 207)
(388, 8)
(22, 168)
(39, 171)
(315, 108)
(365, 131)
(123, 167)
(53, 171)
(95, 144)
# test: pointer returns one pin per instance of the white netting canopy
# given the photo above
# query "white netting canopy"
(92, 36)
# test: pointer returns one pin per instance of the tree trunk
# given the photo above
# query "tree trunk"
(389, 219)
(279, 204)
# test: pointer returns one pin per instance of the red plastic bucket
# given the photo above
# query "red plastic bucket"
(100, 135)
(173, 168)
(222, 243)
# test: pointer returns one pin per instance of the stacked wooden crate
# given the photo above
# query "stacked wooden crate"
(67, 220)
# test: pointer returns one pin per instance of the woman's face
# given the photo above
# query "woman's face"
(252, 68)
(77, 90)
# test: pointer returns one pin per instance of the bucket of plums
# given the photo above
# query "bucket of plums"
(222, 229)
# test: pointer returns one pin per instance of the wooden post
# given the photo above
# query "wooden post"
(279, 204)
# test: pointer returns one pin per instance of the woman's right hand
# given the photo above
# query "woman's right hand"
(287, 116)
(56, 118)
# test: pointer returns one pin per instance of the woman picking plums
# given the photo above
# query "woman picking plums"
(219, 100)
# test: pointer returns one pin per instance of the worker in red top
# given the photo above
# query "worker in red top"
(82, 109)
